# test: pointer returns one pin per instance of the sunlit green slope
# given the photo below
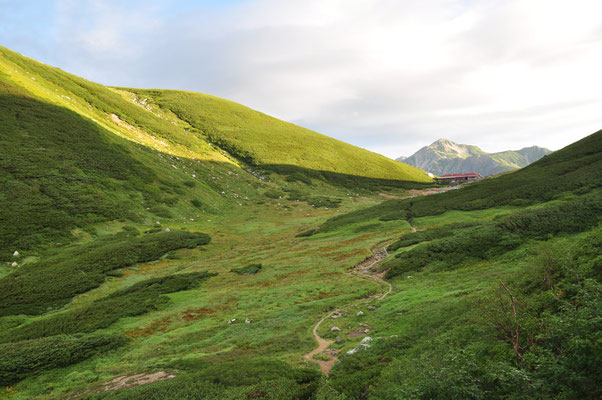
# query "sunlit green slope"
(198, 126)
(263, 140)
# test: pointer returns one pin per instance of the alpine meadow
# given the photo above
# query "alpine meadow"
(166, 244)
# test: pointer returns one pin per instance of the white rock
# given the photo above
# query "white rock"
(366, 340)
(233, 320)
(166, 230)
(335, 329)
(247, 321)
(16, 254)
(359, 313)
(14, 264)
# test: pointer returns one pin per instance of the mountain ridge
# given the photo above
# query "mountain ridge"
(444, 156)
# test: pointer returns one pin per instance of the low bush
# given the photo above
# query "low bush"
(430, 234)
(250, 269)
(21, 359)
(138, 299)
(479, 242)
(484, 241)
(36, 288)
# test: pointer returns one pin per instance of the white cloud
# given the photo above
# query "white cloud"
(387, 75)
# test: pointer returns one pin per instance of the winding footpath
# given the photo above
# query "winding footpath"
(363, 270)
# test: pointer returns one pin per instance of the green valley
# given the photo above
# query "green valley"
(162, 244)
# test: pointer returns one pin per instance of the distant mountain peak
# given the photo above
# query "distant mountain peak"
(444, 156)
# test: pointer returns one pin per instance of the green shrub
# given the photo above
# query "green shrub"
(307, 233)
(35, 288)
(138, 299)
(21, 359)
(250, 269)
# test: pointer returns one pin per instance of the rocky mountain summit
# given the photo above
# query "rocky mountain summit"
(445, 157)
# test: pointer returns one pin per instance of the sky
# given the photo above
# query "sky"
(390, 76)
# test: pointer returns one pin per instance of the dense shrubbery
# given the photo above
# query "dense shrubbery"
(242, 379)
(58, 171)
(138, 299)
(50, 283)
(430, 234)
(250, 269)
(21, 359)
(315, 201)
(568, 217)
(481, 242)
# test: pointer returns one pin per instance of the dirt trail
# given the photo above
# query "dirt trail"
(323, 344)
(412, 227)
(362, 270)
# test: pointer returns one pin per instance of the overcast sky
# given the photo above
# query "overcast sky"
(387, 75)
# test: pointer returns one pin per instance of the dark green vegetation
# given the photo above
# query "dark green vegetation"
(451, 245)
(138, 299)
(250, 269)
(247, 379)
(230, 312)
(82, 181)
(27, 357)
(41, 286)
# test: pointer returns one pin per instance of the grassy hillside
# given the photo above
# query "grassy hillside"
(198, 126)
(259, 139)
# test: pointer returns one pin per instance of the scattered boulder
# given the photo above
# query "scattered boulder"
(359, 313)
(371, 308)
(16, 254)
(363, 345)
(336, 315)
(247, 321)
(14, 264)
(166, 230)
(335, 329)
(339, 339)
(233, 320)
